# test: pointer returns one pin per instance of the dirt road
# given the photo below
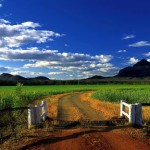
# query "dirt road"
(71, 108)
(83, 139)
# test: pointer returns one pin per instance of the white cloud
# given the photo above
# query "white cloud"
(93, 65)
(24, 33)
(30, 24)
(3, 21)
(66, 64)
(148, 60)
(140, 44)
(56, 73)
(104, 58)
(1, 5)
(29, 54)
(131, 36)
(63, 62)
(27, 73)
(77, 67)
(52, 56)
(37, 64)
(147, 54)
(133, 60)
(122, 51)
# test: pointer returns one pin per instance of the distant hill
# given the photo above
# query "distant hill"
(17, 78)
(140, 69)
(40, 78)
(138, 73)
(5, 76)
(96, 77)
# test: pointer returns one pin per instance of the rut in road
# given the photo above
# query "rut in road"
(72, 101)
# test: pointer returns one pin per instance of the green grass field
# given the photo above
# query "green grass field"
(129, 94)
(16, 96)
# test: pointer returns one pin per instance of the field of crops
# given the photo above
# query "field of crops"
(139, 94)
(16, 96)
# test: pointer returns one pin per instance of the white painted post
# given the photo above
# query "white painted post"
(122, 108)
(44, 110)
(138, 114)
(37, 114)
(31, 117)
(132, 114)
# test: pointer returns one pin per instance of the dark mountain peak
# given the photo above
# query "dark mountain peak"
(18, 78)
(41, 78)
(5, 76)
(140, 69)
(141, 63)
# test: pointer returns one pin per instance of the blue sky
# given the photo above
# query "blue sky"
(72, 39)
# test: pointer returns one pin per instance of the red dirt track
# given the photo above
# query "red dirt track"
(119, 137)
(79, 139)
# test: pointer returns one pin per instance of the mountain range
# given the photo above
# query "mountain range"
(140, 70)
(9, 77)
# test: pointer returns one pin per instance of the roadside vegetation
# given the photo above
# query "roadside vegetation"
(130, 94)
(20, 96)
(14, 123)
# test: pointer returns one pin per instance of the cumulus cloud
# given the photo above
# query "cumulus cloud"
(66, 63)
(104, 58)
(27, 73)
(132, 60)
(71, 65)
(122, 51)
(50, 55)
(147, 54)
(131, 36)
(24, 33)
(3, 21)
(56, 73)
(140, 44)
(29, 54)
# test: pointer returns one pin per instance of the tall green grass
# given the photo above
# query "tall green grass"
(19, 96)
(131, 95)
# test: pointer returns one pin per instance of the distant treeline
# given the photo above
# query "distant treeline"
(76, 82)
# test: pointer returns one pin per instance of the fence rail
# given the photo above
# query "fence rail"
(145, 104)
(134, 114)
(13, 109)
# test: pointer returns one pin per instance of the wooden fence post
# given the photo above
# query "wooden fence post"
(31, 117)
(34, 114)
(44, 110)
(122, 108)
(138, 114)
(132, 114)
(37, 114)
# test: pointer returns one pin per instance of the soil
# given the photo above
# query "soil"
(73, 102)
(72, 107)
(86, 139)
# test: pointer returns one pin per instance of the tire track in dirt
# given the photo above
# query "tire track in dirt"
(72, 102)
